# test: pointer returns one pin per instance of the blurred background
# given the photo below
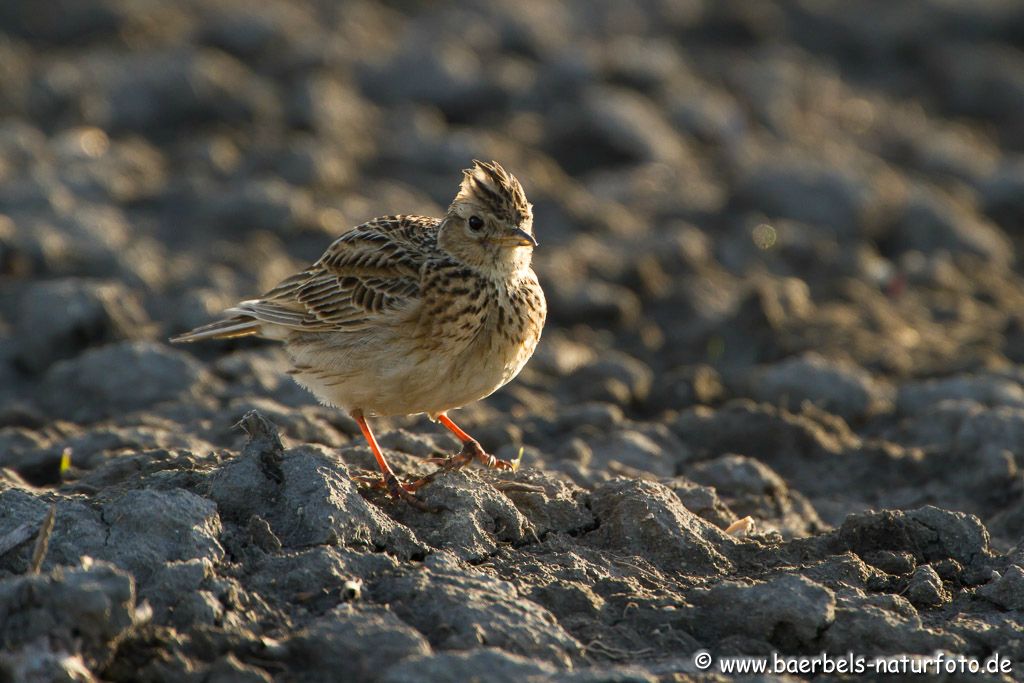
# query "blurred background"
(784, 232)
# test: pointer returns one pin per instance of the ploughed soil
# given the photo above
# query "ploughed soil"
(779, 243)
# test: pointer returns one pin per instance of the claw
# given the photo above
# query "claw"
(472, 449)
(378, 483)
(397, 490)
(400, 491)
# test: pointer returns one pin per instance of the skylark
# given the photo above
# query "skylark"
(408, 314)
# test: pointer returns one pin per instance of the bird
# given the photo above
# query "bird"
(406, 315)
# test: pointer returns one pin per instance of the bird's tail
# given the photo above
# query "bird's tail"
(229, 328)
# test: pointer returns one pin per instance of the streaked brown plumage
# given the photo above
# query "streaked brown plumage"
(409, 314)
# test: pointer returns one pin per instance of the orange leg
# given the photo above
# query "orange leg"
(454, 428)
(391, 483)
(470, 449)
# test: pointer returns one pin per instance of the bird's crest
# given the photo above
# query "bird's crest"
(495, 189)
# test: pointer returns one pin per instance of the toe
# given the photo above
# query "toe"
(372, 482)
(400, 491)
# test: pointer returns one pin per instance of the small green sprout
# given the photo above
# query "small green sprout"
(65, 461)
(518, 459)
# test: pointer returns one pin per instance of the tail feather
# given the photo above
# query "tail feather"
(230, 328)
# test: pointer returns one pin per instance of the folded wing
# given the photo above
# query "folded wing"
(366, 275)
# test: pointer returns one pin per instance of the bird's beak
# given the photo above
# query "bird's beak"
(518, 238)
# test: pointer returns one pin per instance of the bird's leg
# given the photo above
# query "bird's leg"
(470, 449)
(396, 488)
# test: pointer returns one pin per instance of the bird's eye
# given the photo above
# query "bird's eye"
(476, 223)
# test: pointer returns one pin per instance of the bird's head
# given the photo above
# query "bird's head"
(489, 224)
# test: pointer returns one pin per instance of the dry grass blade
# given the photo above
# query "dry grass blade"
(514, 486)
(43, 541)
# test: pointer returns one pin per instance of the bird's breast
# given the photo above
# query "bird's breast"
(491, 333)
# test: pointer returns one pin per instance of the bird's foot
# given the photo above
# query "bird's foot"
(397, 489)
(471, 450)
(449, 464)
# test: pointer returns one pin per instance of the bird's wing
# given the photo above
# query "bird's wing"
(366, 274)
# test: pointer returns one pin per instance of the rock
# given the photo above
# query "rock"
(96, 168)
(982, 80)
(309, 163)
(929, 533)
(986, 438)
(251, 36)
(1001, 194)
(647, 519)
(566, 600)
(499, 666)
(754, 332)
(703, 501)
(842, 389)
(156, 92)
(249, 373)
(715, 116)
(456, 607)
(421, 445)
(26, 451)
(229, 669)
(594, 302)
(178, 592)
(914, 398)
(686, 386)
(993, 431)
(775, 437)
(60, 318)
(884, 624)
(91, 241)
(83, 610)
(73, 22)
(808, 192)
(305, 495)
(119, 378)
(925, 588)
(615, 127)
(78, 530)
(896, 563)
(472, 518)
(333, 109)
(751, 488)
(615, 378)
(558, 507)
(319, 578)
(271, 205)
(149, 528)
(930, 221)
(1007, 591)
(632, 449)
(353, 645)
(452, 79)
(596, 414)
(789, 611)
(642, 64)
